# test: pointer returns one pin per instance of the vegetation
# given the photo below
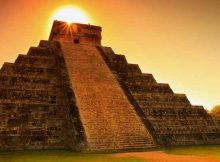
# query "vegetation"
(59, 156)
(215, 112)
(68, 156)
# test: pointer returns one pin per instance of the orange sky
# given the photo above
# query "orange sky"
(176, 40)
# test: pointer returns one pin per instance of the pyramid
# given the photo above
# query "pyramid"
(71, 92)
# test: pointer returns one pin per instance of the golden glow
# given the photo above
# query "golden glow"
(70, 14)
(177, 41)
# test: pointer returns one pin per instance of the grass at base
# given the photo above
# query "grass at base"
(68, 156)
(201, 150)
(59, 156)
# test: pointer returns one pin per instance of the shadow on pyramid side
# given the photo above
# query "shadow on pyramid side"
(70, 92)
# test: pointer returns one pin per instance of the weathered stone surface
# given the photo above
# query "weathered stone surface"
(171, 117)
(34, 109)
(72, 93)
(108, 118)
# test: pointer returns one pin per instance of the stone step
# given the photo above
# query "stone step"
(47, 96)
(108, 51)
(139, 79)
(183, 131)
(39, 51)
(174, 114)
(36, 61)
(122, 147)
(162, 105)
(177, 118)
(29, 90)
(16, 70)
(124, 143)
(197, 119)
(5, 67)
(118, 63)
(151, 88)
(171, 126)
(31, 86)
(119, 142)
(28, 81)
(9, 103)
(152, 117)
(136, 145)
(132, 69)
(157, 97)
(45, 44)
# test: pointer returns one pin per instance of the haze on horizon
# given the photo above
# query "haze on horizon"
(177, 41)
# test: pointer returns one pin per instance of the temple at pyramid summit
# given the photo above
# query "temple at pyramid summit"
(72, 93)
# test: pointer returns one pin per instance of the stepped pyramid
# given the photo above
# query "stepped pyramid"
(72, 93)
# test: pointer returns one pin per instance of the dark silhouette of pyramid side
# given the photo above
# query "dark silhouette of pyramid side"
(70, 92)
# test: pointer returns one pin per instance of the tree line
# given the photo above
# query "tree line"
(215, 112)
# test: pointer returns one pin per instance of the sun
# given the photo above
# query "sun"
(70, 14)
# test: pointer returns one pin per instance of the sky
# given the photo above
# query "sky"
(178, 41)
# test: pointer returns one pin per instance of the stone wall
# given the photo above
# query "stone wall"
(34, 107)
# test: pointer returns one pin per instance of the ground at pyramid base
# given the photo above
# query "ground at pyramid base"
(71, 92)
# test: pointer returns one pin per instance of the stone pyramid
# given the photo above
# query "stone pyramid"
(72, 93)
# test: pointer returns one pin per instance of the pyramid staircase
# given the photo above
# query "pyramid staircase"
(109, 120)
